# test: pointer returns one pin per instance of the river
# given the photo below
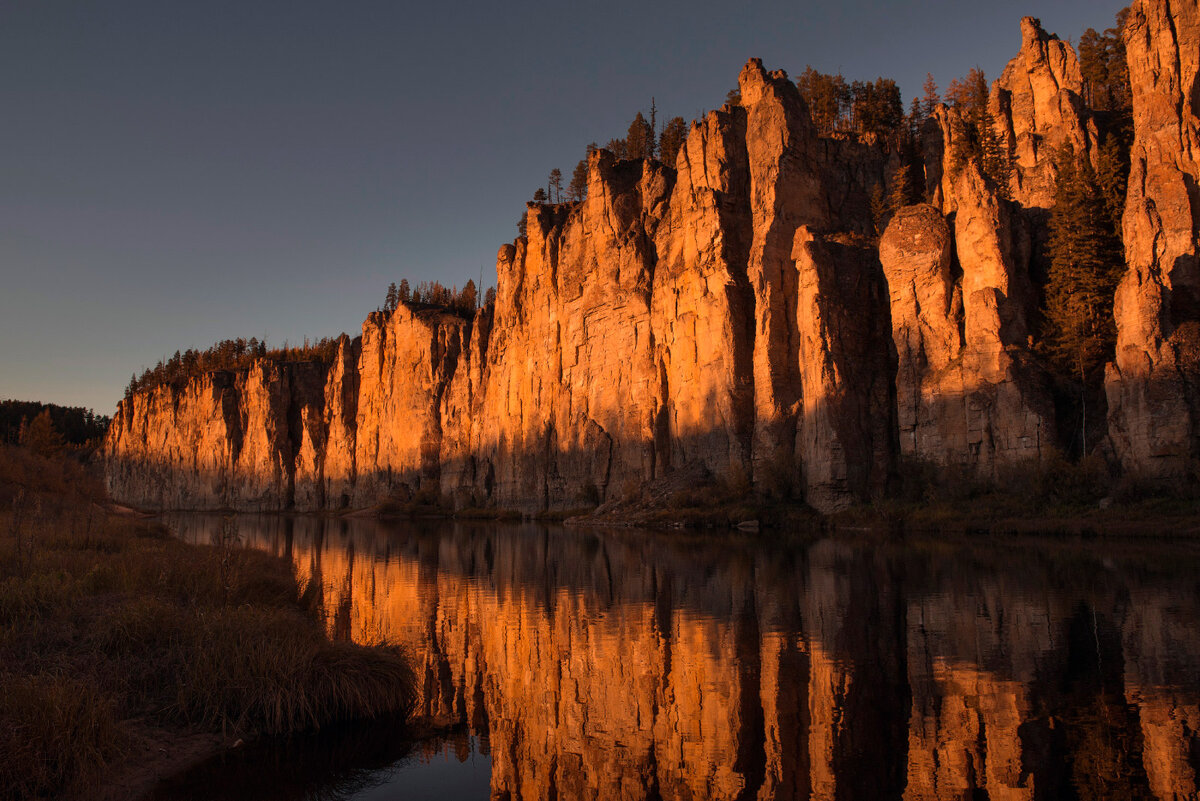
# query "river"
(584, 664)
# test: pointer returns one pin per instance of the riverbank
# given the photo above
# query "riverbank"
(1053, 497)
(126, 655)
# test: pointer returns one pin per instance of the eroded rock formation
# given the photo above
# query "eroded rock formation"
(666, 322)
(1038, 106)
(733, 317)
(970, 391)
(1153, 386)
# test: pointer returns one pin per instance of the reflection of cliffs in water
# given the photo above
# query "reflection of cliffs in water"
(628, 666)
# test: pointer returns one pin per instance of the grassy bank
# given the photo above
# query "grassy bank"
(1051, 496)
(119, 643)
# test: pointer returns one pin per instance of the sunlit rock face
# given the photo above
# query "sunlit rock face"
(223, 440)
(640, 667)
(1038, 107)
(1153, 386)
(734, 317)
(406, 364)
(969, 389)
(664, 323)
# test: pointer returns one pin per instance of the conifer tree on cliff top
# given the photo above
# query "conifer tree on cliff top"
(577, 189)
(639, 143)
(674, 134)
(970, 96)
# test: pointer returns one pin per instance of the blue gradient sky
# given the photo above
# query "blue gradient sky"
(176, 173)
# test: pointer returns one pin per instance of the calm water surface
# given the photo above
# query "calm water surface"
(633, 665)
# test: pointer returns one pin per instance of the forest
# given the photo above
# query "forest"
(228, 354)
(74, 425)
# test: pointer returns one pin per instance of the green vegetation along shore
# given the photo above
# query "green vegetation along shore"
(126, 654)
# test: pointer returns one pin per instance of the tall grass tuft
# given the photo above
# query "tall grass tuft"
(55, 732)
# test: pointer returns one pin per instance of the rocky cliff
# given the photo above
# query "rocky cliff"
(1153, 385)
(737, 317)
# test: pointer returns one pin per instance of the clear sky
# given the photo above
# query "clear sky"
(175, 173)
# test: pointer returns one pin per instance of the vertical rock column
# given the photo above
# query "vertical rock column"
(989, 402)
(702, 311)
(785, 192)
(1153, 385)
(847, 436)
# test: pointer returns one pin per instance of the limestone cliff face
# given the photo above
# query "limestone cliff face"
(669, 321)
(732, 316)
(970, 391)
(847, 435)
(1038, 106)
(224, 440)
(405, 367)
(1153, 386)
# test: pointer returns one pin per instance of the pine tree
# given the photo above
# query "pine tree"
(931, 98)
(1120, 94)
(555, 186)
(577, 190)
(879, 209)
(522, 229)
(990, 151)
(389, 303)
(1079, 332)
(1093, 64)
(403, 292)
(468, 299)
(674, 134)
(41, 437)
(1112, 176)
(1103, 67)
(618, 148)
(902, 191)
(639, 142)
(828, 98)
(653, 129)
(539, 196)
(915, 118)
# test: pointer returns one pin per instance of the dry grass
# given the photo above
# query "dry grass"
(105, 621)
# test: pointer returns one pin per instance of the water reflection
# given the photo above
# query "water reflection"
(629, 665)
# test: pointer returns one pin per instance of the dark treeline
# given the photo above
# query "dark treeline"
(865, 109)
(1102, 63)
(228, 354)
(433, 294)
(75, 424)
(644, 139)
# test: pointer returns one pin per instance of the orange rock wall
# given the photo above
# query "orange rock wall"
(733, 317)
